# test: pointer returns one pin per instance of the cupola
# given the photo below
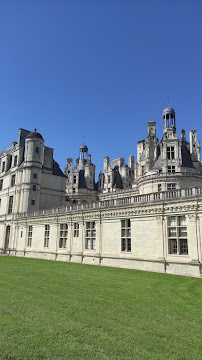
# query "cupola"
(83, 152)
(169, 119)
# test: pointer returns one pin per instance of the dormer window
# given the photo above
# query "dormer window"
(171, 169)
(171, 187)
(170, 152)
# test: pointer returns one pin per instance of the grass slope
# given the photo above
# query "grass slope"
(55, 310)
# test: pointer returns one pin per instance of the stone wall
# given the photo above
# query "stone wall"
(148, 228)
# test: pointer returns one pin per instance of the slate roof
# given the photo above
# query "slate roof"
(82, 182)
(34, 135)
(186, 157)
(56, 169)
(6, 151)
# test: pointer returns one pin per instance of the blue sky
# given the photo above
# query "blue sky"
(99, 70)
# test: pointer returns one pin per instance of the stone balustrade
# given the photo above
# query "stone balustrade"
(119, 201)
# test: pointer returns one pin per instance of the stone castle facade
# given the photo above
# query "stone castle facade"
(145, 215)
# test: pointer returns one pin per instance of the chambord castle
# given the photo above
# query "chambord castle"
(146, 214)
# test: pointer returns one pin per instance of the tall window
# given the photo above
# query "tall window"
(177, 235)
(125, 235)
(3, 166)
(37, 150)
(76, 230)
(15, 161)
(91, 235)
(10, 205)
(8, 231)
(170, 152)
(74, 179)
(46, 235)
(63, 235)
(13, 180)
(171, 169)
(1, 184)
(29, 238)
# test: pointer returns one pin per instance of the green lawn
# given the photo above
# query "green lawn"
(55, 310)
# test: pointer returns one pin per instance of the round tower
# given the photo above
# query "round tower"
(34, 149)
(32, 169)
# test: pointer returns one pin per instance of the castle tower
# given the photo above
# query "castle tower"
(80, 184)
(31, 177)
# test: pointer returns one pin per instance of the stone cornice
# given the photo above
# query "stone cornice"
(189, 199)
(149, 210)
